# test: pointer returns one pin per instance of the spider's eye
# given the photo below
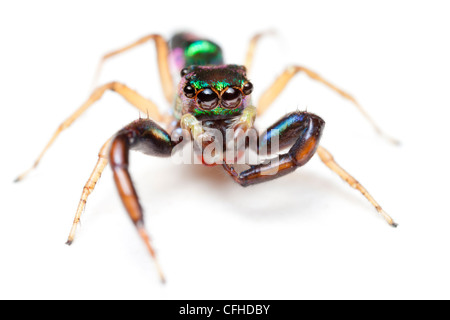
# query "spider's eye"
(231, 98)
(189, 91)
(184, 72)
(207, 99)
(248, 88)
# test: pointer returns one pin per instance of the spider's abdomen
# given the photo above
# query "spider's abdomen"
(187, 49)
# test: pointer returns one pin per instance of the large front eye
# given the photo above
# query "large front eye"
(231, 98)
(207, 99)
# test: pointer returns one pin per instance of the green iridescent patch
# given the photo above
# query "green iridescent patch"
(203, 52)
(199, 84)
(202, 46)
(216, 112)
(218, 85)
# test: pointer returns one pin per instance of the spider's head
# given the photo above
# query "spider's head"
(214, 92)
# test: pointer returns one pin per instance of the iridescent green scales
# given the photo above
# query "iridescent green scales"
(217, 77)
(216, 112)
(218, 85)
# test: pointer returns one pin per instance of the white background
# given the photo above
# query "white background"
(305, 236)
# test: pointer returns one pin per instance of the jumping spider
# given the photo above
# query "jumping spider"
(210, 95)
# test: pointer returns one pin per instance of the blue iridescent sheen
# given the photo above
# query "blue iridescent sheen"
(290, 122)
(287, 122)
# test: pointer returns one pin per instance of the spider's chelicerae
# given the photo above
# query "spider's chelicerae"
(213, 112)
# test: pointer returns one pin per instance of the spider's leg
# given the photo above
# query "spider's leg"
(252, 46)
(89, 187)
(143, 104)
(145, 136)
(162, 51)
(301, 131)
(328, 160)
(280, 83)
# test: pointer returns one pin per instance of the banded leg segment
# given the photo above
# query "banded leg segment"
(89, 188)
(299, 130)
(329, 161)
(134, 98)
(280, 83)
(145, 136)
(162, 51)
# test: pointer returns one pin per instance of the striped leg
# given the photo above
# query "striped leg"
(89, 187)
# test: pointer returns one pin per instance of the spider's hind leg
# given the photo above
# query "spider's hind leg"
(162, 51)
(252, 47)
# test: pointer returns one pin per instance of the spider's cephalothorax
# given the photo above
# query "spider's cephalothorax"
(208, 89)
(210, 95)
(214, 97)
(213, 92)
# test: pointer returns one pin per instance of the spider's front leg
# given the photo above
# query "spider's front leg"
(149, 138)
(301, 131)
(145, 136)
